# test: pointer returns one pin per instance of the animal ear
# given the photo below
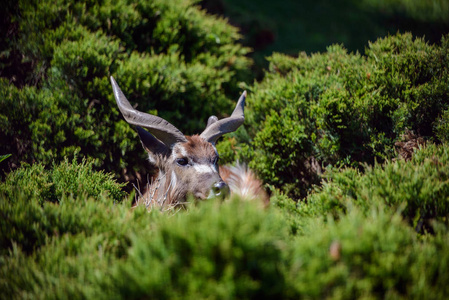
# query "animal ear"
(151, 144)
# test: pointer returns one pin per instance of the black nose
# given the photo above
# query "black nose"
(220, 189)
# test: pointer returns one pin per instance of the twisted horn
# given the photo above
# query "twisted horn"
(161, 129)
(216, 129)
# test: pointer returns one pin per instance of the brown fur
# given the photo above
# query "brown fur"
(200, 150)
(244, 183)
(409, 142)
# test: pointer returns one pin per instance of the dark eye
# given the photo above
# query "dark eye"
(182, 161)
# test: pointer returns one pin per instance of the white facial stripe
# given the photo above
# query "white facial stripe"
(178, 152)
(173, 180)
(201, 168)
(183, 151)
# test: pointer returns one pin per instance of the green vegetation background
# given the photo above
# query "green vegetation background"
(293, 26)
(351, 145)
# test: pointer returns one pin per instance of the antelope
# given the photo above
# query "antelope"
(188, 165)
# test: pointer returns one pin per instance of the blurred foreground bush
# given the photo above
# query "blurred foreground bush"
(343, 109)
(95, 247)
(169, 57)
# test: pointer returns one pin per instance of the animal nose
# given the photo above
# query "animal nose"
(220, 189)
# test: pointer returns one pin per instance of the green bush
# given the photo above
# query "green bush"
(86, 248)
(169, 57)
(368, 255)
(63, 180)
(81, 247)
(339, 109)
(418, 188)
(27, 193)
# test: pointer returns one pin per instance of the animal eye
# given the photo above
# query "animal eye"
(182, 161)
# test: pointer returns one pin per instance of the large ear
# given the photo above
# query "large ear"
(151, 144)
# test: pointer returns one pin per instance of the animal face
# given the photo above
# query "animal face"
(187, 164)
(194, 169)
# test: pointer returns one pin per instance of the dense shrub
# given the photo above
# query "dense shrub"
(27, 216)
(418, 188)
(85, 247)
(337, 108)
(368, 255)
(63, 180)
(169, 57)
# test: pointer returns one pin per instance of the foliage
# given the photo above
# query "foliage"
(417, 188)
(29, 192)
(427, 11)
(3, 157)
(377, 228)
(442, 126)
(291, 26)
(337, 108)
(63, 180)
(368, 255)
(169, 57)
(84, 247)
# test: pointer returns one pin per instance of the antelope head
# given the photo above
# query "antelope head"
(187, 164)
